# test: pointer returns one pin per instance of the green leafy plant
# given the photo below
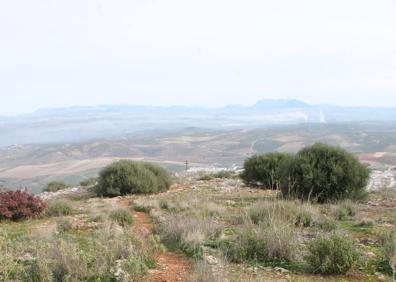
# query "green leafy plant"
(129, 177)
(266, 170)
(331, 255)
(325, 173)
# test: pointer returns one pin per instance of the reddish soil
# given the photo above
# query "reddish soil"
(170, 266)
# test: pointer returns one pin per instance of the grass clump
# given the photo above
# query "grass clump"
(64, 225)
(263, 244)
(327, 224)
(59, 208)
(345, 210)
(304, 219)
(331, 255)
(89, 182)
(388, 246)
(268, 211)
(188, 233)
(129, 177)
(122, 217)
(55, 186)
(108, 254)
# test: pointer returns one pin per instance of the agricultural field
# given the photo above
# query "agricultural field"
(34, 165)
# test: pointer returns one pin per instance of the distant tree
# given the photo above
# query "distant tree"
(325, 173)
(266, 170)
(55, 186)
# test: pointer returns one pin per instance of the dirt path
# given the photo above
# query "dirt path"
(170, 266)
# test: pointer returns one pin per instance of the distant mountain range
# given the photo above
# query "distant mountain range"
(83, 123)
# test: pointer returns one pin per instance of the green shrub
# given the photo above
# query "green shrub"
(129, 177)
(266, 170)
(59, 208)
(89, 182)
(331, 255)
(325, 173)
(122, 216)
(55, 186)
(163, 179)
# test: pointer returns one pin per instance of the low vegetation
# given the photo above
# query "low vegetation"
(89, 182)
(232, 233)
(266, 170)
(319, 173)
(18, 205)
(129, 177)
(59, 207)
(331, 255)
(55, 186)
(122, 216)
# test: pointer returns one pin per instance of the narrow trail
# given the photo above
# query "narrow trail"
(170, 266)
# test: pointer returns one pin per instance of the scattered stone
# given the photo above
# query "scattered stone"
(68, 191)
(211, 260)
(281, 270)
(381, 277)
(27, 257)
(370, 255)
(230, 203)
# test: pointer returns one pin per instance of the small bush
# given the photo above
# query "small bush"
(122, 216)
(333, 255)
(16, 205)
(129, 177)
(55, 186)
(89, 182)
(59, 208)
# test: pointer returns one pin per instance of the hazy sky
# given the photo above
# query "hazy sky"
(205, 52)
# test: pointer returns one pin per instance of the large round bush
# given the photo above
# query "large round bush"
(130, 177)
(326, 173)
(266, 170)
